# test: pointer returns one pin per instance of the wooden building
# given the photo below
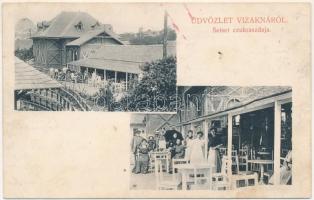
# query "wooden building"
(36, 91)
(120, 63)
(150, 124)
(257, 120)
(67, 37)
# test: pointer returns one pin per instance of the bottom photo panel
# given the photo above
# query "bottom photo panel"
(220, 138)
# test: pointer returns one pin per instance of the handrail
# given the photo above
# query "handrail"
(36, 104)
(75, 96)
(78, 98)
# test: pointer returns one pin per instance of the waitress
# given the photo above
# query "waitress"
(213, 153)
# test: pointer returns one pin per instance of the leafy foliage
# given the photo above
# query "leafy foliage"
(146, 39)
(24, 54)
(156, 90)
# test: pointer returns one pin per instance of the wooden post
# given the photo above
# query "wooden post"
(205, 125)
(277, 142)
(46, 97)
(115, 80)
(193, 129)
(73, 54)
(126, 81)
(15, 100)
(229, 149)
(182, 130)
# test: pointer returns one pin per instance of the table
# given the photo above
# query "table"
(261, 163)
(263, 154)
(186, 169)
(163, 156)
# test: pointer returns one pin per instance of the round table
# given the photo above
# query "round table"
(261, 163)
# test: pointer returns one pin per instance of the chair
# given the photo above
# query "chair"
(253, 166)
(243, 157)
(176, 162)
(164, 182)
(222, 151)
(164, 158)
(151, 167)
(220, 181)
(235, 160)
(285, 176)
(244, 180)
(243, 163)
(200, 178)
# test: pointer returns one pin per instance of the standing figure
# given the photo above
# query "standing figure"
(213, 153)
(143, 158)
(151, 143)
(188, 143)
(51, 72)
(197, 149)
(136, 141)
(56, 72)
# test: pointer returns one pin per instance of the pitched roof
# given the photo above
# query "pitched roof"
(124, 58)
(27, 77)
(135, 53)
(91, 34)
(63, 25)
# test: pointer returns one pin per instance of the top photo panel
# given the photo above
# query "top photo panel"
(120, 59)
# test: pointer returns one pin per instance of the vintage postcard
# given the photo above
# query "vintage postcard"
(184, 100)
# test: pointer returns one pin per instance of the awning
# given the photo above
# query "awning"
(107, 64)
(27, 77)
(256, 104)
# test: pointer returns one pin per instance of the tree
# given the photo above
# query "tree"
(141, 38)
(24, 54)
(156, 91)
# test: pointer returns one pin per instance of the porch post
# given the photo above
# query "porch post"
(126, 81)
(277, 142)
(205, 125)
(46, 96)
(182, 130)
(115, 80)
(105, 78)
(193, 129)
(229, 149)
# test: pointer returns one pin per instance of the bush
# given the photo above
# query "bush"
(156, 91)
(24, 54)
